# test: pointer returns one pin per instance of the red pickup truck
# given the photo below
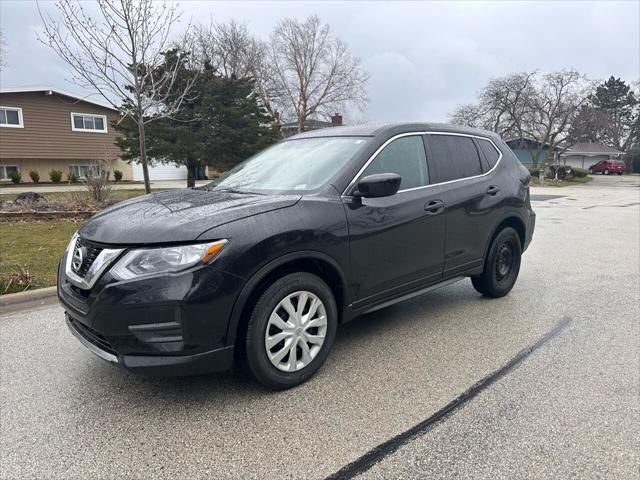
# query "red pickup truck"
(608, 166)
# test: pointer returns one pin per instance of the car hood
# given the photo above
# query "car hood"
(176, 215)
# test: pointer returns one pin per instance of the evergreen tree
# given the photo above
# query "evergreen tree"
(219, 125)
(620, 105)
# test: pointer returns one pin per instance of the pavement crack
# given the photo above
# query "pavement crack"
(383, 450)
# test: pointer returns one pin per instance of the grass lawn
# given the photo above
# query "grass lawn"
(35, 247)
(63, 196)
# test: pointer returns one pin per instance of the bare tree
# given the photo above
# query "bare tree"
(313, 72)
(523, 105)
(228, 48)
(502, 106)
(231, 51)
(119, 54)
(556, 103)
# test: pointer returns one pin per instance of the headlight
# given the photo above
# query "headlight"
(152, 261)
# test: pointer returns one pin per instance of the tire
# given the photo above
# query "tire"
(501, 266)
(271, 321)
(620, 173)
(591, 171)
(606, 172)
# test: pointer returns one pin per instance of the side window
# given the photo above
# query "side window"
(490, 155)
(453, 157)
(404, 156)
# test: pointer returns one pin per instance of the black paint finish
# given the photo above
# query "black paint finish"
(370, 251)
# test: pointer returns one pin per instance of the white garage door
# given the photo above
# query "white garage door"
(161, 171)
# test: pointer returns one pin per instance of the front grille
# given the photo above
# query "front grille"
(92, 336)
(89, 252)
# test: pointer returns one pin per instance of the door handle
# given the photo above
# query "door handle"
(434, 207)
(493, 190)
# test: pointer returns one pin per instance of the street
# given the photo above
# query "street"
(558, 361)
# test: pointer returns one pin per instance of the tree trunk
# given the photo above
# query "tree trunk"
(143, 155)
(191, 177)
(301, 124)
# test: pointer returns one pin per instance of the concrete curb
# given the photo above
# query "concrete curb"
(11, 299)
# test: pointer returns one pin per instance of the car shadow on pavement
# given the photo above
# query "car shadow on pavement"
(361, 335)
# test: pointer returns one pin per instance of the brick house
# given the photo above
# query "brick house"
(46, 129)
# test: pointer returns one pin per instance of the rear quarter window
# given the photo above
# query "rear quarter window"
(489, 154)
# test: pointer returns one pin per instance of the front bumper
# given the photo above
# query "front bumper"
(166, 325)
(220, 359)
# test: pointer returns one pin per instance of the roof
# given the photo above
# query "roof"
(59, 92)
(311, 123)
(591, 148)
(374, 129)
(512, 140)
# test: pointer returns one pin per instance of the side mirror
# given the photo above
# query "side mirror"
(378, 185)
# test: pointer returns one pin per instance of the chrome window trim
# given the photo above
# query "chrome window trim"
(103, 261)
(408, 134)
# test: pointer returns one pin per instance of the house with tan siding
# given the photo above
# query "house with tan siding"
(46, 129)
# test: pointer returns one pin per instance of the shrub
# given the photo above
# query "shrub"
(35, 176)
(55, 176)
(534, 171)
(72, 177)
(16, 177)
(565, 172)
(97, 182)
(580, 172)
(117, 175)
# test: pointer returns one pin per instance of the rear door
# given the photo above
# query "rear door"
(468, 186)
(396, 242)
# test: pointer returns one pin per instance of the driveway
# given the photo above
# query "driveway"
(544, 383)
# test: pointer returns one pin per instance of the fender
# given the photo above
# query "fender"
(261, 274)
(507, 215)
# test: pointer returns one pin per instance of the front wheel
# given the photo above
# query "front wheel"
(591, 171)
(502, 265)
(606, 172)
(620, 173)
(291, 330)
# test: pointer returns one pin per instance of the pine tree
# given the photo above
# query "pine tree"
(619, 103)
(219, 125)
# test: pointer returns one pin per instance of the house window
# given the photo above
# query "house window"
(5, 171)
(83, 122)
(11, 117)
(81, 171)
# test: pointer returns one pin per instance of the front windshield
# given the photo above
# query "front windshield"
(295, 165)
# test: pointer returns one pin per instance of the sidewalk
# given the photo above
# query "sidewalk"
(78, 187)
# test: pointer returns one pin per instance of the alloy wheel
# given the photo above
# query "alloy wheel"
(296, 331)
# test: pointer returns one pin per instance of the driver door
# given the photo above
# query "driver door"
(396, 242)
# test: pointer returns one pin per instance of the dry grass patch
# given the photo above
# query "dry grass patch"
(29, 252)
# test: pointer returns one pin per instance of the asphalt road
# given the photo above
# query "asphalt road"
(544, 383)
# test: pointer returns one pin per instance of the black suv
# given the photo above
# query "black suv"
(264, 263)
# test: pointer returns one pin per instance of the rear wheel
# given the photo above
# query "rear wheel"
(501, 266)
(620, 173)
(291, 330)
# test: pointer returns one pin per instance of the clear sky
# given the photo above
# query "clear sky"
(424, 58)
